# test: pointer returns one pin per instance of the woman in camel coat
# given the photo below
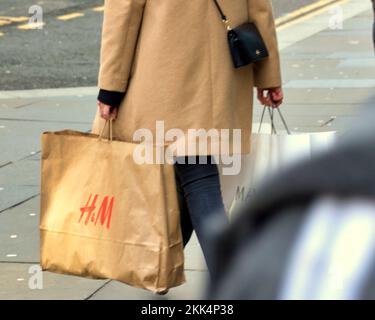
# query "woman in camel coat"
(169, 60)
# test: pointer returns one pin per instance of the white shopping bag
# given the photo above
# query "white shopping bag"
(269, 153)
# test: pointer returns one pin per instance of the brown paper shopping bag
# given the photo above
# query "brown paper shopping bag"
(105, 216)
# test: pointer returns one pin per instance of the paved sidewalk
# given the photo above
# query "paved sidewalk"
(328, 76)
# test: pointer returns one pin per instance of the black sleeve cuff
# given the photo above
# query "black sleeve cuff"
(111, 98)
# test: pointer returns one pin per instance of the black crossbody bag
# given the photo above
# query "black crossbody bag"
(245, 42)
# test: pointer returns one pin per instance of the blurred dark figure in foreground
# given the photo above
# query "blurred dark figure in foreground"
(309, 233)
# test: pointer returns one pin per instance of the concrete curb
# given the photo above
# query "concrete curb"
(57, 92)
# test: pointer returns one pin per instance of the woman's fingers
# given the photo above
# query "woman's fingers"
(264, 97)
(104, 111)
(113, 113)
(277, 97)
(272, 97)
(107, 112)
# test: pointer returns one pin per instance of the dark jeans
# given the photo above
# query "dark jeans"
(200, 200)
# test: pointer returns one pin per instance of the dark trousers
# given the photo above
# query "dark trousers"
(200, 199)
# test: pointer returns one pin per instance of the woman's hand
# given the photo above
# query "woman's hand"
(107, 112)
(271, 97)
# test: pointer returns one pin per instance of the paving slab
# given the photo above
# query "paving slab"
(67, 109)
(25, 172)
(19, 232)
(323, 96)
(194, 260)
(15, 195)
(22, 138)
(15, 279)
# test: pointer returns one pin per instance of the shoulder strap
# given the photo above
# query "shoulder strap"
(223, 16)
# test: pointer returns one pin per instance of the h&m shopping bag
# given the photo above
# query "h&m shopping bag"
(105, 216)
(270, 152)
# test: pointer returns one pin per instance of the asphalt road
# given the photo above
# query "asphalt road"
(63, 53)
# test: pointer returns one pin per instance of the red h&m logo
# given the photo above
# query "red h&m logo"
(104, 213)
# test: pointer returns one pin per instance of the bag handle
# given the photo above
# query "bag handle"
(271, 114)
(223, 16)
(110, 130)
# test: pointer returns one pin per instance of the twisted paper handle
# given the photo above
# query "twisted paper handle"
(110, 130)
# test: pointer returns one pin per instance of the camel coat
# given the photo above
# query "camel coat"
(172, 59)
